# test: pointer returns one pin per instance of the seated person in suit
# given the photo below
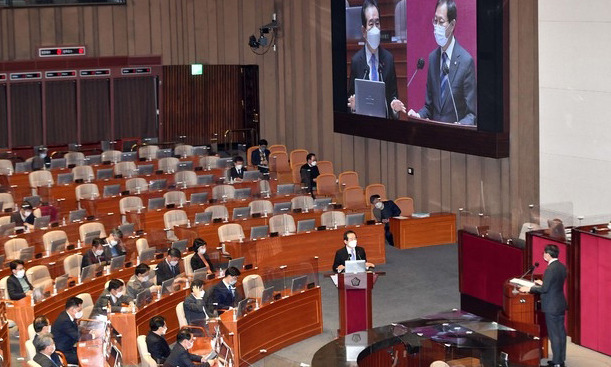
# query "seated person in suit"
(65, 329)
(96, 254)
(224, 295)
(113, 294)
(25, 216)
(260, 157)
(236, 172)
(200, 259)
(309, 172)
(140, 281)
(17, 283)
(383, 211)
(45, 349)
(41, 159)
(115, 245)
(350, 251)
(180, 356)
(169, 268)
(155, 340)
(42, 326)
(194, 306)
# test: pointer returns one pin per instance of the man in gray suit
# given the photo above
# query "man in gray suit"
(451, 94)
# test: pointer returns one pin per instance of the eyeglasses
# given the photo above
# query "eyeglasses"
(442, 22)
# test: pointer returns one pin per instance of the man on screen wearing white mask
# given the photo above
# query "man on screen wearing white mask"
(349, 252)
(383, 211)
(451, 94)
(65, 329)
(373, 62)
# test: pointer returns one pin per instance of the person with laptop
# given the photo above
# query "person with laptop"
(194, 305)
(200, 258)
(350, 252)
(156, 343)
(115, 243)
(260, 157)
(383, 211)
(96, 254)
(224, 295)
(41, 159)
(309, 172)
(17, 284)
(25, 216)
(114, 295)
(169, 268)
(140, 281)
(374, 63)
(180, 356)
(236, 173)
(65, 329)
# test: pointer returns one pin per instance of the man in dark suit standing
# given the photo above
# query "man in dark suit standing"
(373, 62)
(383, 211)
(224, 295)
(236, 172)
(350, 251)
(308, 172)
(155, 340)
(45, 348)
(553, 302)
(260, 157)
(168, 268)
(65, 329)
(180, 356)
(450, 85)
(17, 284)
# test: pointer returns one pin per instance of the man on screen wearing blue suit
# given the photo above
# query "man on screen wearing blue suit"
(450, 85)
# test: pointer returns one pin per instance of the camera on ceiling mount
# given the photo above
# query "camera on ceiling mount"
(264, 31)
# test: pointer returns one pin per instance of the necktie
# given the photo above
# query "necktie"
(232, 289)
(374, 68)
(444, 78)
(353, 255)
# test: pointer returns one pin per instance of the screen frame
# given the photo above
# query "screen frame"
(491, 136)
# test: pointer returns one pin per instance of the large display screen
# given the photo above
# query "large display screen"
(431, 65)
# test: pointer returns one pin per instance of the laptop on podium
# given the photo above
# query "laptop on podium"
(370, 97)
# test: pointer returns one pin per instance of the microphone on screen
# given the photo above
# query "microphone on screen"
(446, 70)
(419, 66)
(366, 72)
(532, 275)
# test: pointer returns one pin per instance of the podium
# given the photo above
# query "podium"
(354, 290)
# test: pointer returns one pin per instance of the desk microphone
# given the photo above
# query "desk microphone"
(419, 66)
(532, 275)
(366, 72)
(530, 269)
(446, 71)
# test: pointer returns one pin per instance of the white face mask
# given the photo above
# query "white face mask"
(379, 205)
(233, 282)
(313, 163)
(173, 263)
(27, 213)
(99, 252)
(78, 315)
(20, 274)
(202, 250)
(145, 278)
(43, 155)
(373, 37)
(189, 345)
(113, 243)
(352, 243)
(238, 167)
(440, 35)
(164, 330)
(119, 294)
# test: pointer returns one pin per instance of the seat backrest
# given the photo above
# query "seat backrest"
(31, 332)
(87, 304)
(145, 356)
(253, 286)
(375, 189)
(187, 264)
(76, 158)
(85, 228)
(30, 349)
(249, 154)
(220, 192)
(174, 218)
(84, 173)
(7, 200)
(6, 167)
(113, 156)
(72, 265)
(333, 219)
(347, 179)
(180, 315)
(130, 203)
(279, 162)
(125, 169)
(354, 198)
(168, 164)
(188, 178)
(87, 191)
(12, 247)
(282, 223)
(133, 185)
(261, 206)
(296, 173)
(265, 188)
(302, 202)
(148, 152)
(326, 184)
(49, 237)
(230, 232)
(277, 148)
(324, 167)
(218, 211)
(38, 274)
(208, 162)
(177, 198)
(40, 178)
(5, 219)
(406, 205)
(298, 157)
(183, 150)
(141, 245)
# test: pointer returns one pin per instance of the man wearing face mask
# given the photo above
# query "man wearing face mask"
(65, 329)
(45, 349)
(155, 340)
(237, 171)
(113, 294)
(25, 216)
(180, 356)
(194, 306)
(168, 268)
(115, 245)
(139, 282)
(260, 157)
(200, 258)
(41, 159)
(42, 326)
(373, 62)
(224, 295)
(17, 284)
(383, 211)
(96, 254)
(450, 84)
(309, 172)
(350, 251)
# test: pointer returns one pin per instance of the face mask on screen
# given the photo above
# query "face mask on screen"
(373, 37)
(440, 35)
(352, 244)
